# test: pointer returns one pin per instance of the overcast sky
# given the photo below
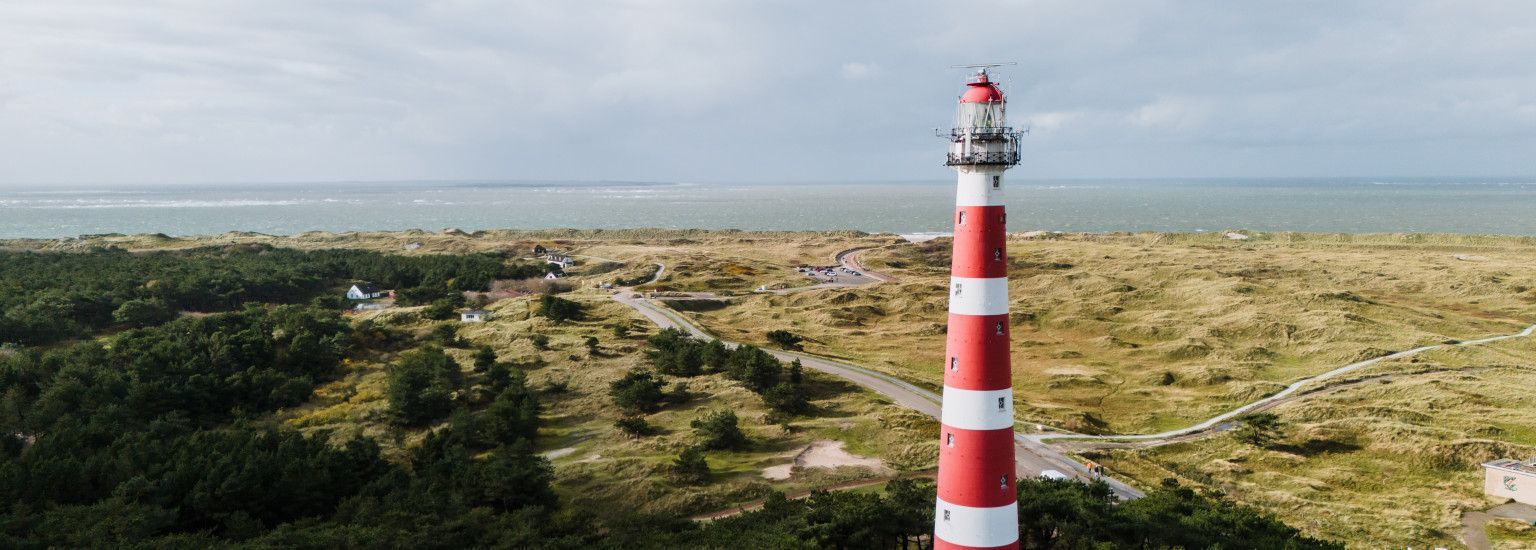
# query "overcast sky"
(711, 90)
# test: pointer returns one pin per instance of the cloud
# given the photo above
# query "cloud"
(857, 71)
(176, 90)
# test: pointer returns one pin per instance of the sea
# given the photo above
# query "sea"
(1504, 206)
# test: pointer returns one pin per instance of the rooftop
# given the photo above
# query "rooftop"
(1526, 467)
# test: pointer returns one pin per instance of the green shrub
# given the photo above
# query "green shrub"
(718, 430)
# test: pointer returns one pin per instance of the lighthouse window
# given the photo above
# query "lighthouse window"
(997, 254)
(957, 289)
(946, 515)
(1001, 403)
(961, 219)
(950, 440)
(997, 181)
(999, 329)
(1002, 482)
(954, 363)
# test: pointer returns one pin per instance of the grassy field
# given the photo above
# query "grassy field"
(1143, 333)
(1117, 333)
(1388, 456)
(598, 467)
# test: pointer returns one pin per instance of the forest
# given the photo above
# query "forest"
(154, 431)
(47, 297)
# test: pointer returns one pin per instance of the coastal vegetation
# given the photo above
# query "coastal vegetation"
(1113, 334)
(45, 298)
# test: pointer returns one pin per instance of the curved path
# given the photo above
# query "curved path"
(1281, 395)
(1474, 524)
(850, 259)
(1032, 456)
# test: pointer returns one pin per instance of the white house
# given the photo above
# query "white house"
(475, 316)
(554, 275)
(364, 291)
(560, 260)
(1511, 479)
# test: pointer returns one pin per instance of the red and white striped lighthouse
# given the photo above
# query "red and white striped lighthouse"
(977, 502)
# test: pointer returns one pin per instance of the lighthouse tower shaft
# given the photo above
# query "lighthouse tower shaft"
(977, 500)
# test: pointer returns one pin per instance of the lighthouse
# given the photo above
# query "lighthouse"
(977, 501)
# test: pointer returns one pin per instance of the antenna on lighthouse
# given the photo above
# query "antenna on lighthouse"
(984, 65)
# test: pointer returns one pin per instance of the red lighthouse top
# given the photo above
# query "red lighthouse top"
(982, 90)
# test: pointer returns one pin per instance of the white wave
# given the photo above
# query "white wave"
(189, 203)
(924, 236)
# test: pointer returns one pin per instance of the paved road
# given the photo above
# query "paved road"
(1474, 525)
(1032, 456)
(850, 259)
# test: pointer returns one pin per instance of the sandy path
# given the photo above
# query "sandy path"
(1283, 394)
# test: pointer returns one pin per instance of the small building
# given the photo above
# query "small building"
(475, 316)
(539, 250)
(1513, 479)
(554, 275)
(364, 291)
(560, 260)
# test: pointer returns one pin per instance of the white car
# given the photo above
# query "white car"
(1054, 475)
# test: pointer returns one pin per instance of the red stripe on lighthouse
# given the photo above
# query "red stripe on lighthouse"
(976, 467)
(941, 544)
(977, 353)
(980, 249)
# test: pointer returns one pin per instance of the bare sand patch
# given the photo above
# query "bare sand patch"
(827, 454)
(557, 453)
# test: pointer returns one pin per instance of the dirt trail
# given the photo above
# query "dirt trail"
(1272, 400)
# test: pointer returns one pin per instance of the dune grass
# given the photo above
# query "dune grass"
(1141, 333)
(1389, 456)
(598, 467)
(1113, 333)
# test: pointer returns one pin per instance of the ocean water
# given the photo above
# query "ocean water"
(1452, 205)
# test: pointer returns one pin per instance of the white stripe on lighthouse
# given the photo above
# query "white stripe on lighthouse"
(976, 527)
(977, 409)
(976, 189)
(975, 296)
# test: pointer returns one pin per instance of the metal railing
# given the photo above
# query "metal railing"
(1008, 158)
(981, 133)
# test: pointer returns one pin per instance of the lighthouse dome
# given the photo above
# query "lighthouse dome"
(982, 90)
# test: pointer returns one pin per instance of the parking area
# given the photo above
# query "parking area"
(835, 275)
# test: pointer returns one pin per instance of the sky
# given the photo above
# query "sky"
(171, 91)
